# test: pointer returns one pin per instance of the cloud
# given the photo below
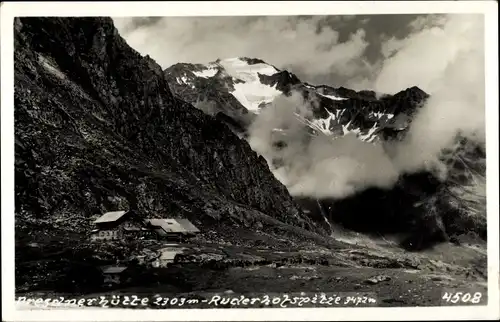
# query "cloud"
(390, 46)
(427, 21)
(296, 43)
(422, 58)
(457, 83)
(316, 166)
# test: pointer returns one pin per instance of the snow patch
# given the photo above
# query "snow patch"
(181, 80)
(345, 128)
(380, 115)
(369, 136)
(206, 73)
(356, 131)
(184, 81)
(240, 69)
(51, 67)
(251, 93)
(333, 97)
(324, 125)
(339, 113)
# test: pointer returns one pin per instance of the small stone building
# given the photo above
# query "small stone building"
(114, 275)
(117, 225)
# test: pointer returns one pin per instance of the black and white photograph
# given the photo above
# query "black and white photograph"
(220, 162)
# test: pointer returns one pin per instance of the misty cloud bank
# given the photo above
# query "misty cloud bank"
(457, 102)
(316, 165)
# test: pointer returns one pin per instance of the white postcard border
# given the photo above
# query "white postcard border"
(224, 8)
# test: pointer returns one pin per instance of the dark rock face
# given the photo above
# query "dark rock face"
(347, 92)
(406, 100)
(361, 109)
(97, 129)
(283, 81)
(383, 211)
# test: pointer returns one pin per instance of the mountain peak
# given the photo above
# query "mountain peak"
(253, 61)
(414, 91)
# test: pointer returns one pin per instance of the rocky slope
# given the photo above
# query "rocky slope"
(97, 129)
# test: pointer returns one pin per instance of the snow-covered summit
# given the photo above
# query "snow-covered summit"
(252, 82)
(242, 69)
(248, 88)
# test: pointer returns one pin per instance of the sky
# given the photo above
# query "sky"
(385, 53)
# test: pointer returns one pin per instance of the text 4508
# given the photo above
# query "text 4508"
(462, 297)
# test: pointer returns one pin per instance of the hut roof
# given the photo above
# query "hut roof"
(113, 269)
(188, 225)
(174, 225)
(110, 216)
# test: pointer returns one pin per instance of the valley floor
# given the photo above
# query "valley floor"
(405, 279)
